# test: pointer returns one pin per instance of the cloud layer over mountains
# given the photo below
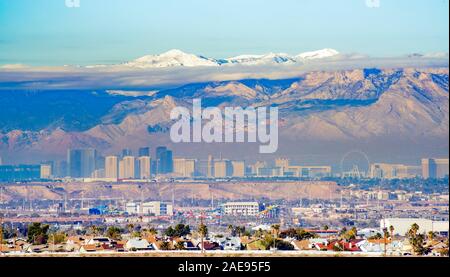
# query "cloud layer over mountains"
(176, 68)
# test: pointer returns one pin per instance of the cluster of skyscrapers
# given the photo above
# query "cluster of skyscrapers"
(142, 166)
(87, 163)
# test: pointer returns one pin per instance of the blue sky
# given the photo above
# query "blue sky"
(46, 32)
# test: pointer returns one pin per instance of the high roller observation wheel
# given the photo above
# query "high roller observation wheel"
(366, 157)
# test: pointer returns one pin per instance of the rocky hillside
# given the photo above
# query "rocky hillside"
(409, 105)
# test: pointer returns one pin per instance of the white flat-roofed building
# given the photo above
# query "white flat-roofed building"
(402, 225)
(156, 208)
(132, 208)
(241, 208)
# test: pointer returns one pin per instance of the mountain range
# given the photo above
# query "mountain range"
(401, 114)
(178, 58)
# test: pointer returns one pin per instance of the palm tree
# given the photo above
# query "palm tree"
(130, 228)
(113, 233)
(231, 229)
(415, 228)
(240, 230)
(275, 229)
(385, 235)
(94, 229)
(203, 230)
(165, 245)
(431, 235)
(153, 231)
(180, 246)
(392, 229)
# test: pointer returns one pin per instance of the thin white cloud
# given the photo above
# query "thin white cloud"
(116, 77)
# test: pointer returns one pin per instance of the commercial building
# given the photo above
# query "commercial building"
(16, 173)
(402, 225)
(307, 171)
(184, 167)
(241, 208)
(238, 169)
(144, 152)
(132, 208)
(112, 167)
(81, 162)
(46, 171)
(129, 168)
(394, 171)
(435, 168)
(144, 167)
(155, 208)
(164, 160)
(282, 162)
(270, 172)
(222, 168)
(210, 167)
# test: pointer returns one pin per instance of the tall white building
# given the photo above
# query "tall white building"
(222, 168)
(144, 167)
(129, 167)
(111, 167)
(238, 168)
(184, 167)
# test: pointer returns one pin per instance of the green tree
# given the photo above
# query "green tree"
(232, 230)
(180, 230)
(391, 230)
(275, 229)
(203, 230)
(165, 245)
(94, 230)
(417, 240)
(180, 246)
(57, 238)
(38, 233)
(240, 230)
(114, 232)
(130, 228)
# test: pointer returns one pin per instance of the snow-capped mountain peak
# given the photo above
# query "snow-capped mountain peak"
(319, 54)
(178, 58)
(270, 58)
(172, 58)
